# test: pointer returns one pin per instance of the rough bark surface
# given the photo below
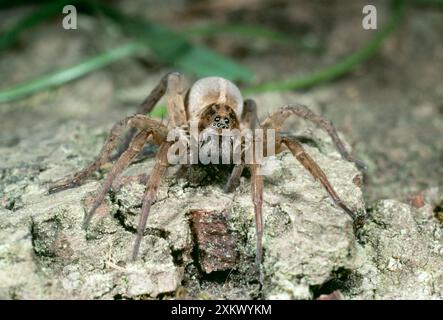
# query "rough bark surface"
(199, 241)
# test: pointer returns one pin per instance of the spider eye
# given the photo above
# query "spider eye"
(226, 120)
(217, 118)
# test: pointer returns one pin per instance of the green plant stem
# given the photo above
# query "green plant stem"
(341, 68)
(133, 48)
(75, 72)
(174, 49)
(167, 45)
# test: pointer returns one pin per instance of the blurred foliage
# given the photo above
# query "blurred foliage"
(253, 32)
(40, 14)
(342, 67)
(63, 76)
(175, 49)
(169, 47)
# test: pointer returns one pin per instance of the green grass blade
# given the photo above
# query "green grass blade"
(174, 48)
(60, 77)
(170, 47)
(204, 62)
(340, 68)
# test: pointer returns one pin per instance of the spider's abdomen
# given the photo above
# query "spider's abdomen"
(213, 90)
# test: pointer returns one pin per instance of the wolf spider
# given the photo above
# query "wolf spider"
(212, 102)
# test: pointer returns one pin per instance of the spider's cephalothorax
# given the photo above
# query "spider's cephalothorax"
(214, 104)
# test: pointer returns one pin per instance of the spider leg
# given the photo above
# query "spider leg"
(305, 159)
(249, 115)
(148, 105)
(175, 100)
(277, 119)
(112, 140)
(136, 122)
(154, 96)
(257, 199)
(123, 162)
(234, 179)
(249, 119)
(161, 164)
(103, 157)
(177, 118)
(148, 127)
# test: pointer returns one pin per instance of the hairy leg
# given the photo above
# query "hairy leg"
(234, 179)
(277, 119)
(249, 119)
(305, 159)
(103, 157)
(146, 107)
(177, 116)
(123, 162)
(113, 139)
(148, 127)
(140, 122)
(257, 199)
(154, 96)
(175, 100)
(174, 85)
(161, 164)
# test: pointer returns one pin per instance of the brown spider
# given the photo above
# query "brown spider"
(213, 103)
